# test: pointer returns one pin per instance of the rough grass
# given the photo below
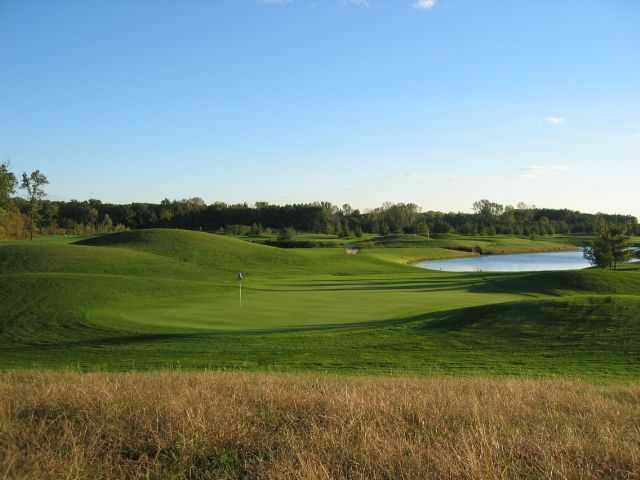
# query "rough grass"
(233, 426)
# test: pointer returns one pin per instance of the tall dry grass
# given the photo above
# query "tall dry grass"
(219, 425)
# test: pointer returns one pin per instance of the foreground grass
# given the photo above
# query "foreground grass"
(217, 425)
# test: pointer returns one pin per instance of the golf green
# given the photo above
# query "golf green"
(170, 298)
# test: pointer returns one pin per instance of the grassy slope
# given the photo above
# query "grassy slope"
(165, 297)
(496, 244)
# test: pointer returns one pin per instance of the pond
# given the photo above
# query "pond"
(521, 262)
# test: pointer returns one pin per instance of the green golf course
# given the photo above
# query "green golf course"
(154, 299)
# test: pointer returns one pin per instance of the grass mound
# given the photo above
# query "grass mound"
(204, 249)
(64, 258)
(592, 281)
(604, 322)
(489, 244)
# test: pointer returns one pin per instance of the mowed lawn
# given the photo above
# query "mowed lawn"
(166, 298)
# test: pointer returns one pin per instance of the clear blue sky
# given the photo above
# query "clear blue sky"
(339, 100)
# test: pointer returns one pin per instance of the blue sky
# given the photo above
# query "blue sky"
(436, 102)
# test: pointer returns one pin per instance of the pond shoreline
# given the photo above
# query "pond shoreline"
(467, 253)
(560, 260)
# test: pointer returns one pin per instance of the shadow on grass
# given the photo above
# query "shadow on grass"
(110, 239)
(572, 320)
(382, 285)
(590, 281)
(132, 339)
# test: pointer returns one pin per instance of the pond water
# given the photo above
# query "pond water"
(521, 262)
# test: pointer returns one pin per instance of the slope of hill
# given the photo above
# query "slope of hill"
(590, 281)
(205, 250)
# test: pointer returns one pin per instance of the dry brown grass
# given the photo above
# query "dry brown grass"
(219, 425)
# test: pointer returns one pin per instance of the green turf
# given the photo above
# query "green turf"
(485, 244)
(168, 298)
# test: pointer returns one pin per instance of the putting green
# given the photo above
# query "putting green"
(157, 298)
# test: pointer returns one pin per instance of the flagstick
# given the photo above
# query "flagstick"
(240, 278)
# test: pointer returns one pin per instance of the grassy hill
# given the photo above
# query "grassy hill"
(163, 298)
(592, 281)
(488, 244)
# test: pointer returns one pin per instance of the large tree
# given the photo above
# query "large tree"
(610, 247)
(487, 210)
(7, 185)
(34, 185)
(11, 221)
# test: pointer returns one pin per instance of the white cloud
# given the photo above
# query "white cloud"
(418, 4)
(555, 120)
(425, 4)
(537, 171)
(275, 2)
(355, 3)
(359, 3)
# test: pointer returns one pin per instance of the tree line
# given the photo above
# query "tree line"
(21, 217)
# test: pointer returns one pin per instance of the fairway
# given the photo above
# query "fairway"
(170, 298)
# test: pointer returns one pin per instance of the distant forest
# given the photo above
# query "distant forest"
(20, 217)
(488, 218)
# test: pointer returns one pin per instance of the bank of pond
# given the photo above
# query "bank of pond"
(519, 262)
